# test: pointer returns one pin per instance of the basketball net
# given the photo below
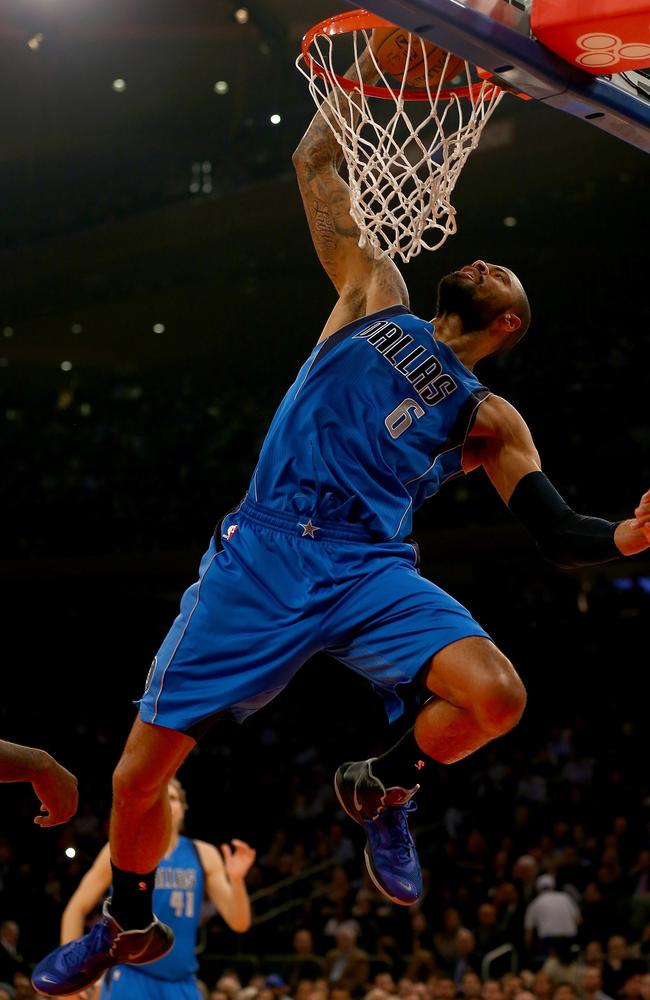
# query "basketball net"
(404, 149)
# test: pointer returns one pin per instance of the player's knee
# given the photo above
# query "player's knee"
(503, 697)
(132, 781)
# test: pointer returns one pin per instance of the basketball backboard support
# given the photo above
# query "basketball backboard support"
(496, 35)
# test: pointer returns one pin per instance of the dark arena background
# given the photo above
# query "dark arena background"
(159, 292)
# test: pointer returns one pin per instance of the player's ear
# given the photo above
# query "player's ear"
(511, 321)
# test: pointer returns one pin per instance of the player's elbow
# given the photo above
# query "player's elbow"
(308, 160)
(300, 160)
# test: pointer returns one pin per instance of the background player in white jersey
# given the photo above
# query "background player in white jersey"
(189, 870)
(384, 411)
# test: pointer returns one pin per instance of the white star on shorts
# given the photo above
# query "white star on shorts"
(308, 529)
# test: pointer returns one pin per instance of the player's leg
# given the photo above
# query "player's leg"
(475, 697)
(479, 697)
(151, 757)
(140, 830)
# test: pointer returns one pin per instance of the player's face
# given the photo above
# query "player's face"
(176, 806)
(478, 293)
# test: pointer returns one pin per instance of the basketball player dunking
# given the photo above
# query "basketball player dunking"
(384, 411)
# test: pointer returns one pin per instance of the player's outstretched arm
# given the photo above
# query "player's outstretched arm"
(225, 881)
(501, 442)
(364, 284)
(55, 787)
(90, 891)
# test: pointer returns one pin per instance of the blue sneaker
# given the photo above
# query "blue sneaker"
(80, 963)
(391, 857)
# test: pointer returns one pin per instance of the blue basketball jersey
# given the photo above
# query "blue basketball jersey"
(177, 901)
(373, 425)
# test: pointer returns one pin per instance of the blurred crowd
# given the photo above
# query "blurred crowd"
(537, 865)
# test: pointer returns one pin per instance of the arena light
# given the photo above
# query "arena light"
(70, 853)
(509, 221)
(242, 15)
(8, 331)
(76, 328)
(221, 87)
(66, 366)
(36, 41)
(119, 85)
(159, 328)
(276, 119)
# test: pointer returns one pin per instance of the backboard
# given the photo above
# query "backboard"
(496, 35)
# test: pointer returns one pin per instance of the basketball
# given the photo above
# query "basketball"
(427, 60)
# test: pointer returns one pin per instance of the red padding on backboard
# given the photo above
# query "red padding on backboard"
(600, 36)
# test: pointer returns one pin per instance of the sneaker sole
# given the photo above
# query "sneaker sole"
(89, 989)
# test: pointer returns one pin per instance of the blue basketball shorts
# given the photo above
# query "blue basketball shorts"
(273, 591)
(128, 982)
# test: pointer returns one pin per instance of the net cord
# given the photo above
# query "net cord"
(401, 172)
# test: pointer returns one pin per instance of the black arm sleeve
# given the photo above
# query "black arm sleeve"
(564, 537)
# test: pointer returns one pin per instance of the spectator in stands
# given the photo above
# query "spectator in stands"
(543, 986)
(593, 955)
(23, 987)
(471, 986)
(279, 990)
(487, 933)
(445, 939)
(565, 991)
(441, 987)
(617, 967)
(511, 985)
(631, 989)
(10, 958)
(421, 962)
(492, 990)
(347, 965)
(375, 993)
(642, 947)
(364, 913)
(306, 964)
(553, 918)
(467, 960)
(524, 874)
(510, 916)
(229, 984)
(562, 967)
(592, 984)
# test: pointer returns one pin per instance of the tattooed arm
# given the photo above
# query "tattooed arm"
(364, 284)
